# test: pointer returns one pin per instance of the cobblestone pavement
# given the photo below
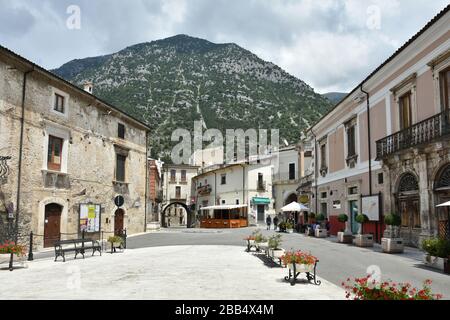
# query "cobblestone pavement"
(170, 272)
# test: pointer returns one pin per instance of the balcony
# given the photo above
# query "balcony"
(421, 133)
(204, 190)
(261, 185)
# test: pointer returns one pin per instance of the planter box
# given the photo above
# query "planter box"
(345, 237)
(321, 233)
(290, 230)
(364, 240)
(392, 245)
(435, 262)
(276, 254)
(263, 246)
(301, 267)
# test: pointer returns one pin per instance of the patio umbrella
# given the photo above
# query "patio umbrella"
(446, 204)
(294, 207)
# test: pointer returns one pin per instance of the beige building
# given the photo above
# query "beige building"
(385, 147)
(71, 155)
(177, 197)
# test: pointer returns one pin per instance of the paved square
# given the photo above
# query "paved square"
(171, 272)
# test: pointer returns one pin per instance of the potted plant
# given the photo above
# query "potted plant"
(289, 227)
(304, 262)
(320, 232)
(10, 247)
(275, 250)
(261, 242)
(391, 241)
(367, 289)
(363, 240)
(251, 240)
(437, 253)
(282, 226)
(344, 236)
(116, 242)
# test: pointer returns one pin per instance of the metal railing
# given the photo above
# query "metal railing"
(420, 133)
(261, 186)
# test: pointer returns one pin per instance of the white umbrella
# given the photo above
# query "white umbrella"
(447, 204)
(294, 207)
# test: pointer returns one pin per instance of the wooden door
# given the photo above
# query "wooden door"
(52, 224)
(410, 216)
(118, 222)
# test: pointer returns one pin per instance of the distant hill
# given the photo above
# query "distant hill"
(170, 83)
(335, 97)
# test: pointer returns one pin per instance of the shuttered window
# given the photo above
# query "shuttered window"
(120, 167)
(54, 157)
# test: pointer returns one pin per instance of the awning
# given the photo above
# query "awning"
(447, 204)
(294, 207)
(224, 207)
(259, 200)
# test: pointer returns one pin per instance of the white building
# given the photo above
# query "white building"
(237, 183)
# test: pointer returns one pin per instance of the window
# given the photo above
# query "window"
(444, 78)
(54, 158)
(405, 111)
(172, 175)
(237, 201)
(223, 179)
(183, 175)
(323, 156)
(292, 171)
(351, 150)
(120, 167)
(178, 192)
(380, 178)
(59, 103)
(121, 131)
(323, 195)
(353, 190)
(260, 181)
(223, 201)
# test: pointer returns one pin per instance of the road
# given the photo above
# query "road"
(337, 261)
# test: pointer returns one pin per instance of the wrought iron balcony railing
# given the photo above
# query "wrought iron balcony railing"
(261, 186)
(420, 133)
(204, 190)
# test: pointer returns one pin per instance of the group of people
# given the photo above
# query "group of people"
(269, 222)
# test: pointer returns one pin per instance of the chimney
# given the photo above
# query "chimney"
(88, 87)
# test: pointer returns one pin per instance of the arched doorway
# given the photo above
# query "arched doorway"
(176, 214)
(442, 194)
(408, 206)
(52, 224)
(118, 222)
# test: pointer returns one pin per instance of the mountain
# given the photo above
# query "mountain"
(335, 97)
(170, 83)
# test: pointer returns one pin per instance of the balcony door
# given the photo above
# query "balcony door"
(444, 78)
(405, 111)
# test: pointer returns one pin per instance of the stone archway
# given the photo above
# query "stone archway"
(441, 192)
(164, 214)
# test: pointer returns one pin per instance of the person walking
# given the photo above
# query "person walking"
(275, 223)
(268, 222)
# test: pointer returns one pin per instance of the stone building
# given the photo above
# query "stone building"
(71, 155)
(385, 147)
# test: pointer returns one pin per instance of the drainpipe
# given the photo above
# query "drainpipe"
(19, 171)
(368, 138)
(316, 164)
(146, 180)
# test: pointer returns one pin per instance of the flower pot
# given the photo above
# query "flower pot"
(364, 240)
(320, 233)
(276, 254)
(290, 230)
(301, 267)
(345, 237)
(435, 262)
(392, 245)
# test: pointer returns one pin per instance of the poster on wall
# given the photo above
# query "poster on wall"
(90, 217)
(371, 207)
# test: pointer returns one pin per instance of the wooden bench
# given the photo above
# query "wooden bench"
(78, 246)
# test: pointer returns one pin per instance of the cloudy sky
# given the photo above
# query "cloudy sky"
(330, 44)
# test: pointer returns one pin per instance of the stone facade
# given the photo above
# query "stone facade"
(87, 129)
